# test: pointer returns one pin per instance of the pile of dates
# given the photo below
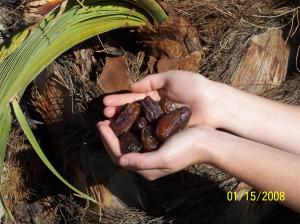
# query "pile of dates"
(144, 125)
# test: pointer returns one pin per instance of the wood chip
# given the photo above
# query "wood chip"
(189, 63)
(264, 66)
(115, 75)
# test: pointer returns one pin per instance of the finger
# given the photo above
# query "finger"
(142, 161)
(100, 132)
(150, 83)
(109, 111)
(121, 99)
(109, 139)
(153, 174)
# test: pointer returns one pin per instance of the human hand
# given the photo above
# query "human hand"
(184, 148)
(190, 89)
(178, 152)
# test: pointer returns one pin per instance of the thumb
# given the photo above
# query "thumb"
(142, 161)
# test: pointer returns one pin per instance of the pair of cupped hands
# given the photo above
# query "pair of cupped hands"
(182, 149)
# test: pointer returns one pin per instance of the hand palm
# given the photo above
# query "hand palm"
(184, 88)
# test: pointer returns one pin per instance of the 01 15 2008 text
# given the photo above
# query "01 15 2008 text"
(256, 196)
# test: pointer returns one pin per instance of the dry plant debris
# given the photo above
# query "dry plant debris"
(175, 44)
(115, 75)
(264, 65)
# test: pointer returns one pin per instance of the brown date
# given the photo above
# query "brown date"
(130, 143)
(173, 122)
(149, 141)
(125, 118)
(167, 105)
(151, 108)
(140, 123)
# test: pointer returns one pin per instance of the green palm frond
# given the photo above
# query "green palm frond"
(8, 48)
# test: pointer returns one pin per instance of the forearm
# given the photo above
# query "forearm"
(263, 167)
(260, 119)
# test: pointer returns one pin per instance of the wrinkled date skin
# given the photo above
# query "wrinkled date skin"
(151, 108)
(144, 125)
(171, 123)
(167, 105)
(125, 119)
(150, 143)
(130, 143)
(140, 124)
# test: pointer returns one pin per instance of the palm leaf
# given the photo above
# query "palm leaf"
(5, 124)
(8, 47)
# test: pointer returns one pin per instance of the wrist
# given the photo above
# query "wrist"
(227, 103)
(213, 146)
(203, 143)
(219, 103)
